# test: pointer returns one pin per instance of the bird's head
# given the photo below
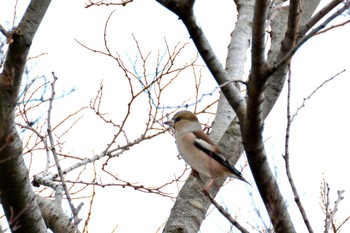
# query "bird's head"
(184, 120)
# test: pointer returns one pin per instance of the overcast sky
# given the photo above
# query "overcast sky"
(319, 136)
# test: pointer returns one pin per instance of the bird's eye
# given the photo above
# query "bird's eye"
(177, 119)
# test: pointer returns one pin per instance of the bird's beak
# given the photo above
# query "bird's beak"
(169, 122)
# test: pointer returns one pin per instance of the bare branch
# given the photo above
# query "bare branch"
(286, 158)
(184, 10)
(306, 37)
(91, 201)
(53, 150)
(17, 196)
(290, 119)
(317, 17)
(330, 212)
(259, 66)
(252, 128)
(105, 3)
(4, 31)
(38, 180)
(333, 27)
(55, 217)
(233, 221)
(314, 92)
(342, 223)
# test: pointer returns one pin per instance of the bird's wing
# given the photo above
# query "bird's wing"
(210, 150)
(207, 146)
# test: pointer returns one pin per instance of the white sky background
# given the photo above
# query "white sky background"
(319, 135)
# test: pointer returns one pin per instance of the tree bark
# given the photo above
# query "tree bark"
(17, 197)
(54, 216)
(187, 214)
(191, 205)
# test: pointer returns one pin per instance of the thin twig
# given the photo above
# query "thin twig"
(53, 149)
(14, 14)
(306, 37)
(318, 16)
(257, 211)
(313, 92)
(290, 119)
(44, 141)
(333, 27)
(286, 158)
(329, 211)
(4, 31)
(325, 204)
(91, 200)
(104, 3)
(342, 223)
(233, 221)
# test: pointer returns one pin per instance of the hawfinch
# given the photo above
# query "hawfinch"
(198, 150)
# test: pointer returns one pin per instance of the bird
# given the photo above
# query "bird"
(199, 151)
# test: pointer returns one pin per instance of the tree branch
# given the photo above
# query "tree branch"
(286, 158)
(55, 156)
(317, 17)
(17, 196)
(252, 128)
(233, 221)
(185, 215)
(55, 217)
(259, 66)
(184, 9)
(302, 40)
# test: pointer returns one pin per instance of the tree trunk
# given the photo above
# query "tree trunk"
(191, 205)
(17, 197)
